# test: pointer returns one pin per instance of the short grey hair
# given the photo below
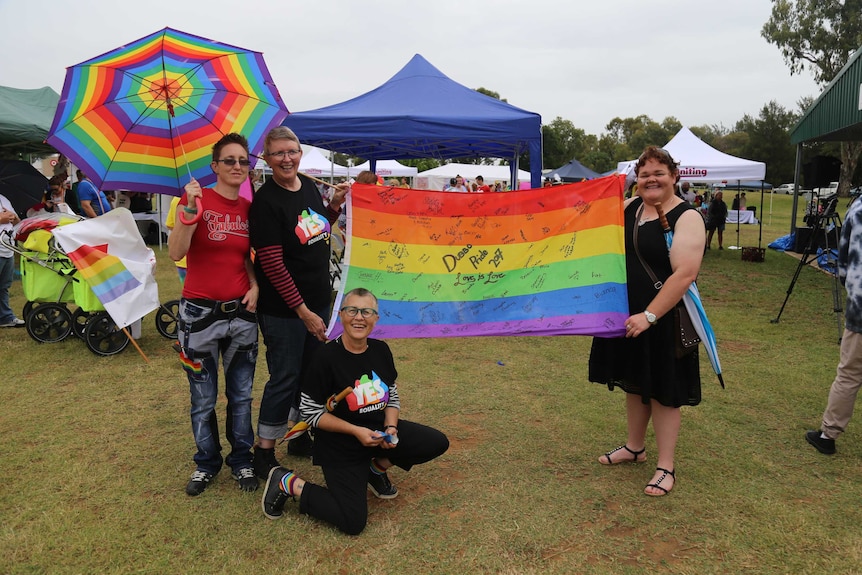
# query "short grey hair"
(280, 133)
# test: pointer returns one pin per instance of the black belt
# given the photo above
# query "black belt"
(227, 307)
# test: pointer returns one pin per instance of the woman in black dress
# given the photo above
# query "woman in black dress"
(644, 363)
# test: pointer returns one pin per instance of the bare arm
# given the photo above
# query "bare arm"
(250, 298)
(88, 209)
(365, 436)
(181, 236)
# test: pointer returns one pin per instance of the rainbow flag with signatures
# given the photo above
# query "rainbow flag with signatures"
(546, 261)
(111, 257)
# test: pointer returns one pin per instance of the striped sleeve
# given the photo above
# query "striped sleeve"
(310, 410)
(271, 260)
(394, 400)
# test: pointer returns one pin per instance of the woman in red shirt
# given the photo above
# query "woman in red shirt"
(217, 314)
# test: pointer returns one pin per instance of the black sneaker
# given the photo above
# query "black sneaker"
(264, 461)
(274, 497)
(198, 483)
(302, 446)
(247, 480)
(381, 487)
(824, 446)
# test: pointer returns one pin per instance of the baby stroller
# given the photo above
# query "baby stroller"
(59, 300)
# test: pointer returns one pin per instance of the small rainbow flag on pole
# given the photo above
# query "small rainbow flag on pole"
(547, 261)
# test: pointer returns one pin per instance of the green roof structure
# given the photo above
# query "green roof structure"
(836, 116)
(25, 118)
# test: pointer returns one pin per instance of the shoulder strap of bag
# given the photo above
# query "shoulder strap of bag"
(657, 283)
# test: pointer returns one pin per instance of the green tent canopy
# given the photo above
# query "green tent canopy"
(25, 118)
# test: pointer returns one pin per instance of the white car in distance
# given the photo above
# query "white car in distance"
(788, 189)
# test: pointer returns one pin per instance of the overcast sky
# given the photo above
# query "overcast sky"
(703, 62)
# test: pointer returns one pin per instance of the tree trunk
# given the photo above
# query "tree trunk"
(849, 160)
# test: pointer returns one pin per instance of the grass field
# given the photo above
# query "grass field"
(96, 452)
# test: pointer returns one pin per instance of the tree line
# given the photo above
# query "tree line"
(814, 36)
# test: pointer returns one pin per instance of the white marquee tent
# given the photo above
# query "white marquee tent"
(386, 168)
(700, 162)
(437, 178)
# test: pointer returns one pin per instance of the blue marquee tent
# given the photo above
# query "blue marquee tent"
(573, 171)
(422, 113)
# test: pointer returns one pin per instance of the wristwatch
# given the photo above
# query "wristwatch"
(650, 317)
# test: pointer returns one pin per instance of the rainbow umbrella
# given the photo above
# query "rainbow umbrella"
(144, 116)
(694, 307)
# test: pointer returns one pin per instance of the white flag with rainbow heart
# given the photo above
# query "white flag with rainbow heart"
(111, 257)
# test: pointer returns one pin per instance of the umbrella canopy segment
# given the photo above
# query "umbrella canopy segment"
(22, 184)
(145, 115)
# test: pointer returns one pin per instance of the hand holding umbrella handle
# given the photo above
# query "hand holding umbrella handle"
(302, 426)
(333, 400)
(196, 213)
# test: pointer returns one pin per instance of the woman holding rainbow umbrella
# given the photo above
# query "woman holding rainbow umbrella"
(645, 363)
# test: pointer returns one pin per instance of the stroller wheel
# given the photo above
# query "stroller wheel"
(28, 307)
(166, 318)
(79, 322)
(49, 322)
(102, 335)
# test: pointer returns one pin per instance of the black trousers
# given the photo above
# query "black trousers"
(344, 500)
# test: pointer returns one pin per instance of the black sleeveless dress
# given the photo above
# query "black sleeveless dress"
(647, 365)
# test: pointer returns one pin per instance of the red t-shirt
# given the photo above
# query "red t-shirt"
(218, 250)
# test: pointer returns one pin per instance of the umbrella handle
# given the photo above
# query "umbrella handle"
(331, 403)
(196, 213)
(661, 217)
(333, 400)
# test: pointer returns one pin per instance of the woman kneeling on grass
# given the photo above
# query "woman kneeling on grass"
(357, 441)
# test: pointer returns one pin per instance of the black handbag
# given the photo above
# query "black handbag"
(687, 338)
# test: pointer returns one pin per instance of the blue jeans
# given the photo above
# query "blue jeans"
(7, 274)
(204, 334)
(289, 347)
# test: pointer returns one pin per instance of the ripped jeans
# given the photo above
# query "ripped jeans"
(208, 328)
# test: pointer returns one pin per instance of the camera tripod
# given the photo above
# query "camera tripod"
(827, 220)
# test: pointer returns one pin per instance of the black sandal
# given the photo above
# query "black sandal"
(626, 447)
(658, 481)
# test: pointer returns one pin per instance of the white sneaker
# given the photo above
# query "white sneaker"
(14, 323)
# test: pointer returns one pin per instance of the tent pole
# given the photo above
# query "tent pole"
(737, 246)
(513, 173)
(796, 187)
(760, 221)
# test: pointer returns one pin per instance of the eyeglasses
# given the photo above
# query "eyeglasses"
(232, 162)
(366, 312)
(292, 154)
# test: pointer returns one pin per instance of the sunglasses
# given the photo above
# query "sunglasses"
(233, 161)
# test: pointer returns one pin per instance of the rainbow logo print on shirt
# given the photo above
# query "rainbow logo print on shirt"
(311, 227)
(369, 394)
